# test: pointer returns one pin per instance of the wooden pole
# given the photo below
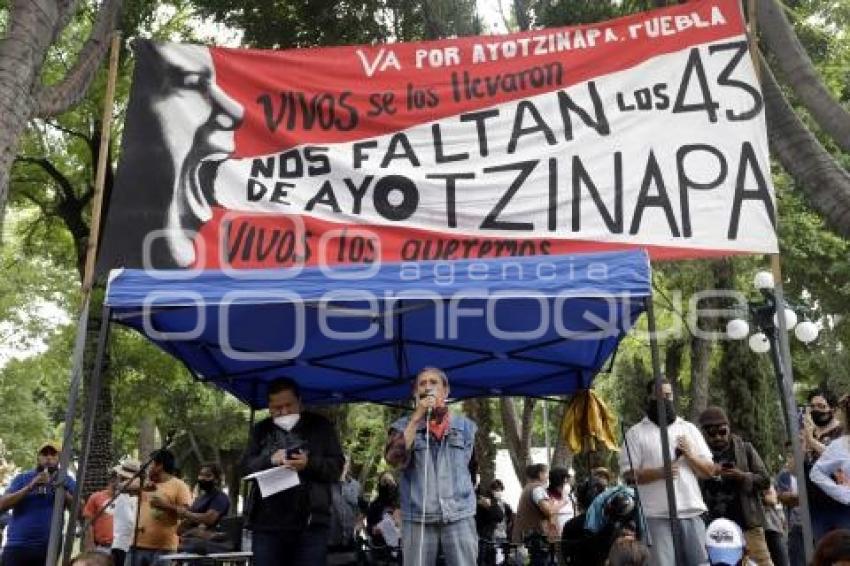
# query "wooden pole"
(103, 155)
(55, 540)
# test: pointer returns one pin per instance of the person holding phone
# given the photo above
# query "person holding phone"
(291, 527)
(821, 428)
(734, 492)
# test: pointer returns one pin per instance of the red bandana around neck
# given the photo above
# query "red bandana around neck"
(439, 423)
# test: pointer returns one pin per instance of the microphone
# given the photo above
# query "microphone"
(425, 395)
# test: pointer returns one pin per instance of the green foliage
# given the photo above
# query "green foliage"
(311, 23)
(149, 382)
(301, 23)
(25, 421)
(574, 12)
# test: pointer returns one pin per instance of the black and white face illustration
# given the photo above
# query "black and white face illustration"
(181, 127)
(197, 120)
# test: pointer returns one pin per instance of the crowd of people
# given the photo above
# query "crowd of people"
(429, 509)
(130, 521)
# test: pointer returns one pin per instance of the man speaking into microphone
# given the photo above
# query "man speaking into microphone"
(434, 451)
(30, 496)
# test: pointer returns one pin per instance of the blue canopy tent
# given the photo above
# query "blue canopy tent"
(525, 326)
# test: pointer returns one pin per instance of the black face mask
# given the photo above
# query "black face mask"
(652, 411)
(206, 485)
(821, 418)
(387, 492)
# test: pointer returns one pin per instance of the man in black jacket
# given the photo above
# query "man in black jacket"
(291, 527)
(735, 493)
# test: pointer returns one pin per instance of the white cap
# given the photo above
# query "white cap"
(724, 542)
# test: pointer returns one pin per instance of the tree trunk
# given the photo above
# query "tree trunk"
(33, 26)
(800, 73)
(673, 354)
(232, 476)
(561, 456)
(147, 437)
(700, 366)
(196, 450)
(523, 21)
(814, 170)
(517, 433)
(479, 411)
(22, 54)
(100, 446)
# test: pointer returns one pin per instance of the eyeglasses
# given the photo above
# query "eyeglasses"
(717, 430)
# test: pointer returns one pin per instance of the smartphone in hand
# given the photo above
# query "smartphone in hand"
(291, 452)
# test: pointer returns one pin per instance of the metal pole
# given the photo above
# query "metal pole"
(88, 429)
(85, 303)
(786, 385)
(787, 392)
(675, 527)
(68, 437)
(778, 373)
(546, 433)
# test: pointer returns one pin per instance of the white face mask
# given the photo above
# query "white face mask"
(497, 495)
(286, 422)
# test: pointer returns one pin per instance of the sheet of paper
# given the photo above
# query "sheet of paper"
(274, 480)
(389, 530)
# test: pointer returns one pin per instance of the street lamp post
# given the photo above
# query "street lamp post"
(765, 318)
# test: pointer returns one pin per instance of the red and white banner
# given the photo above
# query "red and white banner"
(646, 131)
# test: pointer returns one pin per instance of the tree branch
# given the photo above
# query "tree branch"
(29, 233)
(801, 75)
(64, 184)
(85, 137)
(813, 169)
(67, 8)
(55, 99)
(40, 204)
(433, 26)
(658, 290)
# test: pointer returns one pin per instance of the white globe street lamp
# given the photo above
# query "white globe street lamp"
(763, 280)
(806, 332)
(737, 329)
(765, 319)
(759, 343)
(790, 319)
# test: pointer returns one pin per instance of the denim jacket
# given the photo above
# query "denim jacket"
(450, 495)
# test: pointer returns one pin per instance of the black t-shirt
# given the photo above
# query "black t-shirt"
(722, 495)
(216, 500)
